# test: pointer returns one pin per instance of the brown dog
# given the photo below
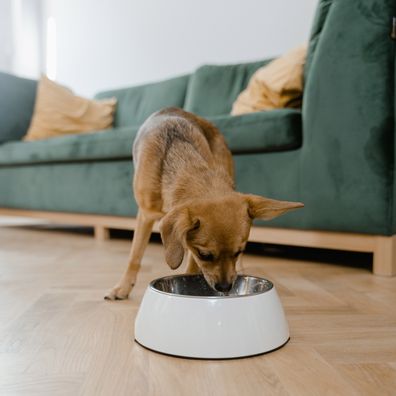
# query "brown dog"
(184, 176)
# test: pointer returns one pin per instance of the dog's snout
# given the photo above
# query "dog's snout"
(223, 287)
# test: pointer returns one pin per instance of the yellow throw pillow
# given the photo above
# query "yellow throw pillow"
(276, 85)
(58, 112)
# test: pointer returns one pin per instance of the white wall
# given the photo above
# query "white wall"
(104, 44)
(6, 36)
(21, 37)
(27, 37)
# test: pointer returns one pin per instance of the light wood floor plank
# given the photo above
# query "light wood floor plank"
(370, 378)
(58, 336)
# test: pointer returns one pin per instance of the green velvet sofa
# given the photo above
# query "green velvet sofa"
(337, 155)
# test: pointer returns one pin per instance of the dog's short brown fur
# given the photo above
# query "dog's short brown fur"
(184, 176)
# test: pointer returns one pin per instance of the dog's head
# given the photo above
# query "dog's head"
(216, 232)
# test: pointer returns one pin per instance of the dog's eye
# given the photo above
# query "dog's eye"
(204, 256)
(238, 253)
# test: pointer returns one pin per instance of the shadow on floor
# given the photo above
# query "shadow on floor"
(328, 256)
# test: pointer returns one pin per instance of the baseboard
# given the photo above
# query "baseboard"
(382, 247)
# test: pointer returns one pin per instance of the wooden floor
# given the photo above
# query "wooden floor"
(59, 337)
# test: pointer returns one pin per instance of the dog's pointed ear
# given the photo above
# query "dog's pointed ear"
(173, 228)
(266, 208)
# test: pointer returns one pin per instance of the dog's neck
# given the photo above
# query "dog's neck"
(193, 178)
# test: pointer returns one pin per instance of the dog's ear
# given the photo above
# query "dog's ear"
(266, 208)
(173, 228)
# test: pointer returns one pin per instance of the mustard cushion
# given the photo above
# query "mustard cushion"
(276, 85)
(58, 112)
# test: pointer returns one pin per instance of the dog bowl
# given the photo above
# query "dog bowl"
(183, 316)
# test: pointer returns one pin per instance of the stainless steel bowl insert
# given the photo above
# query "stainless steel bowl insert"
(196, 286)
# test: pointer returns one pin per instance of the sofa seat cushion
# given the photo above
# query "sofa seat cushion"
(103, 145)
(267, 131)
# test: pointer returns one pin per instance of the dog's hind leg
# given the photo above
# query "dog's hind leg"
(140, 240)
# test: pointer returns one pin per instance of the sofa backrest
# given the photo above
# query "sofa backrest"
(212, 89)
(17, 96)
(348, 114)
(135, 104)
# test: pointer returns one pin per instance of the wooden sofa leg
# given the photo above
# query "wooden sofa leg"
(101, 233)
(384, 260)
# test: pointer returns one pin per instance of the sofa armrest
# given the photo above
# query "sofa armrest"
(347, 157)
(16, 106)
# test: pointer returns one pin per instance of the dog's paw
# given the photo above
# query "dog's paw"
(119, 292)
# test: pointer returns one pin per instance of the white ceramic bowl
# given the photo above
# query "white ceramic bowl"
(182, 316)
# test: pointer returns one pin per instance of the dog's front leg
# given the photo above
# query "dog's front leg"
(140, 240)
(192, 266)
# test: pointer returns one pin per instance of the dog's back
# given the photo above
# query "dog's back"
(172, 124)
(169, 142)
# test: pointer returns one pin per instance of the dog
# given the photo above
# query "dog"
(184, 176)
